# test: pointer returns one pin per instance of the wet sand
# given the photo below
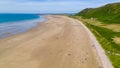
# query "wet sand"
(59, 42)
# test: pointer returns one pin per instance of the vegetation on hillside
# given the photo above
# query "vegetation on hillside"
(109, 13)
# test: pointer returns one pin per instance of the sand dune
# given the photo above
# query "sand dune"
(57, 43)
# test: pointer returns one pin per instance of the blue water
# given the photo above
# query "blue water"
(11, 24)
(16, 17)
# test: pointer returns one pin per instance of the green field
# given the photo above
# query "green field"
(105, 38)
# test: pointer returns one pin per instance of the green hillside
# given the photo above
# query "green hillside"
(109, 13)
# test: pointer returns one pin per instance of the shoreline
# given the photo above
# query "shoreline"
(58, 42)
(18, 27)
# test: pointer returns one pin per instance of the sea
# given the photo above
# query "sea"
(12, 24)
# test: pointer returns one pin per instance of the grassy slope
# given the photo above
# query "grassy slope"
(109, 13)
(104, 37)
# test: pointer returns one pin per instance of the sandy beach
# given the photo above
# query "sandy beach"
(57, 43)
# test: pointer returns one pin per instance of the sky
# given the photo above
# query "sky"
(49, 6)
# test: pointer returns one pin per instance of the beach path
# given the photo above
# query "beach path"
(59, 42)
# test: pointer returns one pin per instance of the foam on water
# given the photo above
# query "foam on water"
(12, 28)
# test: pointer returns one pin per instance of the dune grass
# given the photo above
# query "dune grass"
(104, 36)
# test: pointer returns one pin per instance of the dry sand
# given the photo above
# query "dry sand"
(116, 40)
(57, 43)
